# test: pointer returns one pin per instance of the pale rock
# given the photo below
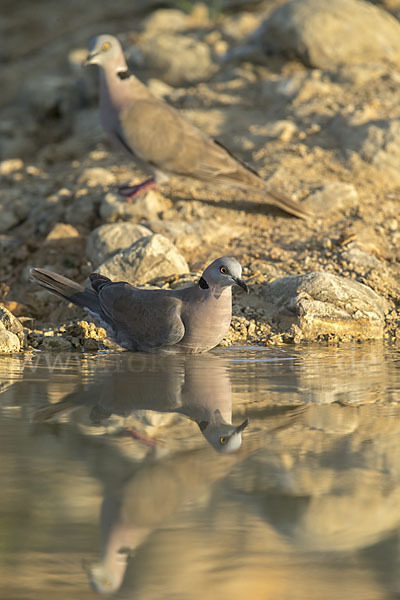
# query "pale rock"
(177, 59)
(62, 231)
(323, 304)
(10, 166)
(166, 20)
(359, 258)
(11, 332)
(376, 142)
(328, 34)
(96, 176)
(189, 236)
(9, 342)
(150, 257)
(108, 239)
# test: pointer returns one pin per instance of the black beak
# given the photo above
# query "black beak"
(242, 426)
(241, 284)
(88, 59)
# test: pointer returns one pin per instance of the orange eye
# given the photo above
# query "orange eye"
(106, 46)
(222, 441)
(223, 270)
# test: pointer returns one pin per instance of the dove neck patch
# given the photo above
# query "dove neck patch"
(203, 284)
(124, 74)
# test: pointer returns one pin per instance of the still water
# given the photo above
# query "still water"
(242, 473)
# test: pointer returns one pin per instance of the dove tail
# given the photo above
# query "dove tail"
(67, 289)
(290, 206)
(98, 281)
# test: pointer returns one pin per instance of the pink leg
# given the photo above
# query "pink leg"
(130, 192)
(149, 441)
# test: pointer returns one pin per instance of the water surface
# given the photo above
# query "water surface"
(136, 475)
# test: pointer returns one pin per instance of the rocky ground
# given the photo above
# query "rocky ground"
(268, 82)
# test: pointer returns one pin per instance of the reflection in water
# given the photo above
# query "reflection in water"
(197, 387)
(307, 508)
(145, 501)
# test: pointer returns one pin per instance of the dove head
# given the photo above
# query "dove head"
(223, 272)
(104, 579)
(105, 50)
(223, 437)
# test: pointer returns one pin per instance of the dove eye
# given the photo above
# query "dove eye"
(106, 46)
(222, 441)
(223, 270)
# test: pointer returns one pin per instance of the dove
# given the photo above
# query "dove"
(189, 320)
(160, 139)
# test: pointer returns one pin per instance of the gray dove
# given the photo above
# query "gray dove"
(160, 140)
(190, 320)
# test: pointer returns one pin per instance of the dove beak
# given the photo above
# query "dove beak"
(241, 284)
(89, 59)
(240, 428)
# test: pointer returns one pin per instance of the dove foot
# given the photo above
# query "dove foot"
(130, 192)
(148, 441)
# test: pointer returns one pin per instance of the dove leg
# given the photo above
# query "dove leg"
(130, 192)
(149, 441)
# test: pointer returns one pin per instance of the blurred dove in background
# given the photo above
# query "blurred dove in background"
(159, 139)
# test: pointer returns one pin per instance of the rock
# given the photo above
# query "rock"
(62, 232)
(14, 208)
(378, 143)
(150, 257)
(11, 323)
(324, 305)
(96, 176)
(11, 332)
(90, 345)
(375, 141)
(56, 344)
(334, 195)
(10, 166)
(359, 258)
(106, 240)
(9, 342)
(177, 59)
(147, 206)
(166, 20)
(328, 34)
(188, 236)
(174, 20)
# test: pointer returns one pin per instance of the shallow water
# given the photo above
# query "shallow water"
(122, 473)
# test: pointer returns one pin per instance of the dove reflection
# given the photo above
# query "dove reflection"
(155, 492)
(197, 387)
